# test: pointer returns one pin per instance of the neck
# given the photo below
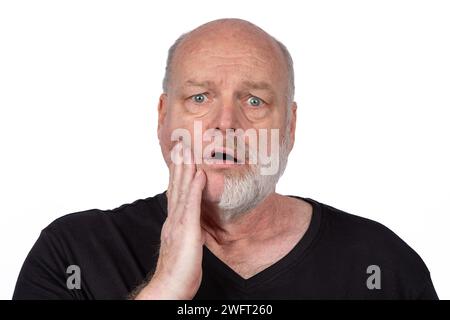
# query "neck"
(256, 224)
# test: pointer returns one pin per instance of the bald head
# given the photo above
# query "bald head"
(228, 35)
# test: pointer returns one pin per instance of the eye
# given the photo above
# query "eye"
(199, 98)
(254, 101)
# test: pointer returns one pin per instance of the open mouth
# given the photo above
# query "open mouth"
(224, 156)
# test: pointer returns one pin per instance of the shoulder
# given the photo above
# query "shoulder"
(358, 243)
(376, 238)
(353, 228)
(130, 218)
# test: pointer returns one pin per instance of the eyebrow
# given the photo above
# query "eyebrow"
(259, 85)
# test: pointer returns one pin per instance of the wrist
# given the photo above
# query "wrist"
(158, 289)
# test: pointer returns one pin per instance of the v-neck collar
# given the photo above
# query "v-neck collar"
(214, 264)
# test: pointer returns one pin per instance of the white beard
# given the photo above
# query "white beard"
(243, 193)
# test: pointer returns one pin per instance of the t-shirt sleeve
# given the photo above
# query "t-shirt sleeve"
(43, 274)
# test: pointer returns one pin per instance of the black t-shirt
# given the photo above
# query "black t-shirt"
(341, 256)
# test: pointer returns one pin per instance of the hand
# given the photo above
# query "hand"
(178, 271)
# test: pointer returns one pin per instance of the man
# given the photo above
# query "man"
(221, 231)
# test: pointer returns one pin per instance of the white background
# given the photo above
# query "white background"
(80, 80)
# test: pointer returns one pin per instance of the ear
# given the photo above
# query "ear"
(292, 124)
(162, 112)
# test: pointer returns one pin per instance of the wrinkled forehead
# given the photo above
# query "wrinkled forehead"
(240, 56)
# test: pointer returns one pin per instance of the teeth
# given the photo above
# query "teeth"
(223, 156)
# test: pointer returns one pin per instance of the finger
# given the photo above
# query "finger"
(169, 187)
(176, 169)
(195, 196)
(188, 173)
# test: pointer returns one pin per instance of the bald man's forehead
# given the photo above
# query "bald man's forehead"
(231, 42)
(219, 51)
(227, 66)
(228, 53)
(225, 53)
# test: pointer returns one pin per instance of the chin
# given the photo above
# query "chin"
(215, 180)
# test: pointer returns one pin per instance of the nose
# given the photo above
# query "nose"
(226, 116)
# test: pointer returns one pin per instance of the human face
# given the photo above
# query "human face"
(222, 84)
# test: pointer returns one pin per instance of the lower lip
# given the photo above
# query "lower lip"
(217, 163)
